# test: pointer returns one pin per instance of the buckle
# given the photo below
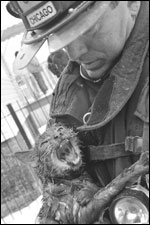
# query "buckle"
(134, 144)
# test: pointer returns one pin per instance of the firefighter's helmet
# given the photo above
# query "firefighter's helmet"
(59, 22)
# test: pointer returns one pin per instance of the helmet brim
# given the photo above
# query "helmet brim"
(61, 37)
(26, 54)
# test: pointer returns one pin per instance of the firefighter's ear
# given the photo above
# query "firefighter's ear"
(28, 157)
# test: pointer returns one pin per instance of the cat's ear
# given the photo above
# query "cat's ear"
(50, 123)
(28, 157)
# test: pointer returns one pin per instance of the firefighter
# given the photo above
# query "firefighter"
(103, 92)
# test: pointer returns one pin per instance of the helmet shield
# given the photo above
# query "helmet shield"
(62, 31)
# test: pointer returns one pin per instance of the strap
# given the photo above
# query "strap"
(146, 137)
(132, 145)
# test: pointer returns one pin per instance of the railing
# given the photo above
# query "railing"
(21, 125)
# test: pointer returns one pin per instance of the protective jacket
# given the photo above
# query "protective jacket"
(117, 106)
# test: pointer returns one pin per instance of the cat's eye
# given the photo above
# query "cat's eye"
(44, 142)
(59, 129)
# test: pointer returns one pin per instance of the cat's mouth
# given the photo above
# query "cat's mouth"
(69, 154)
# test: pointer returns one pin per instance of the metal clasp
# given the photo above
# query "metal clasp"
(86, 117)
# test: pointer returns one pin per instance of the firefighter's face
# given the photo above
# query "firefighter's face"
(99, 47)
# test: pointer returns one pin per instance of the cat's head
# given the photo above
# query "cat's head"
(56, 152)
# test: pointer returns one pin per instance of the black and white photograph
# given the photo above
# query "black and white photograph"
(74, 112)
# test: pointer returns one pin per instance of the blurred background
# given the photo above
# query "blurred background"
(25, 102)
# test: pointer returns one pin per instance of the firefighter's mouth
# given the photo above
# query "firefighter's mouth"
(94, 65)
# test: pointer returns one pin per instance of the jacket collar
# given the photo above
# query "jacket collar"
(124, 77)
